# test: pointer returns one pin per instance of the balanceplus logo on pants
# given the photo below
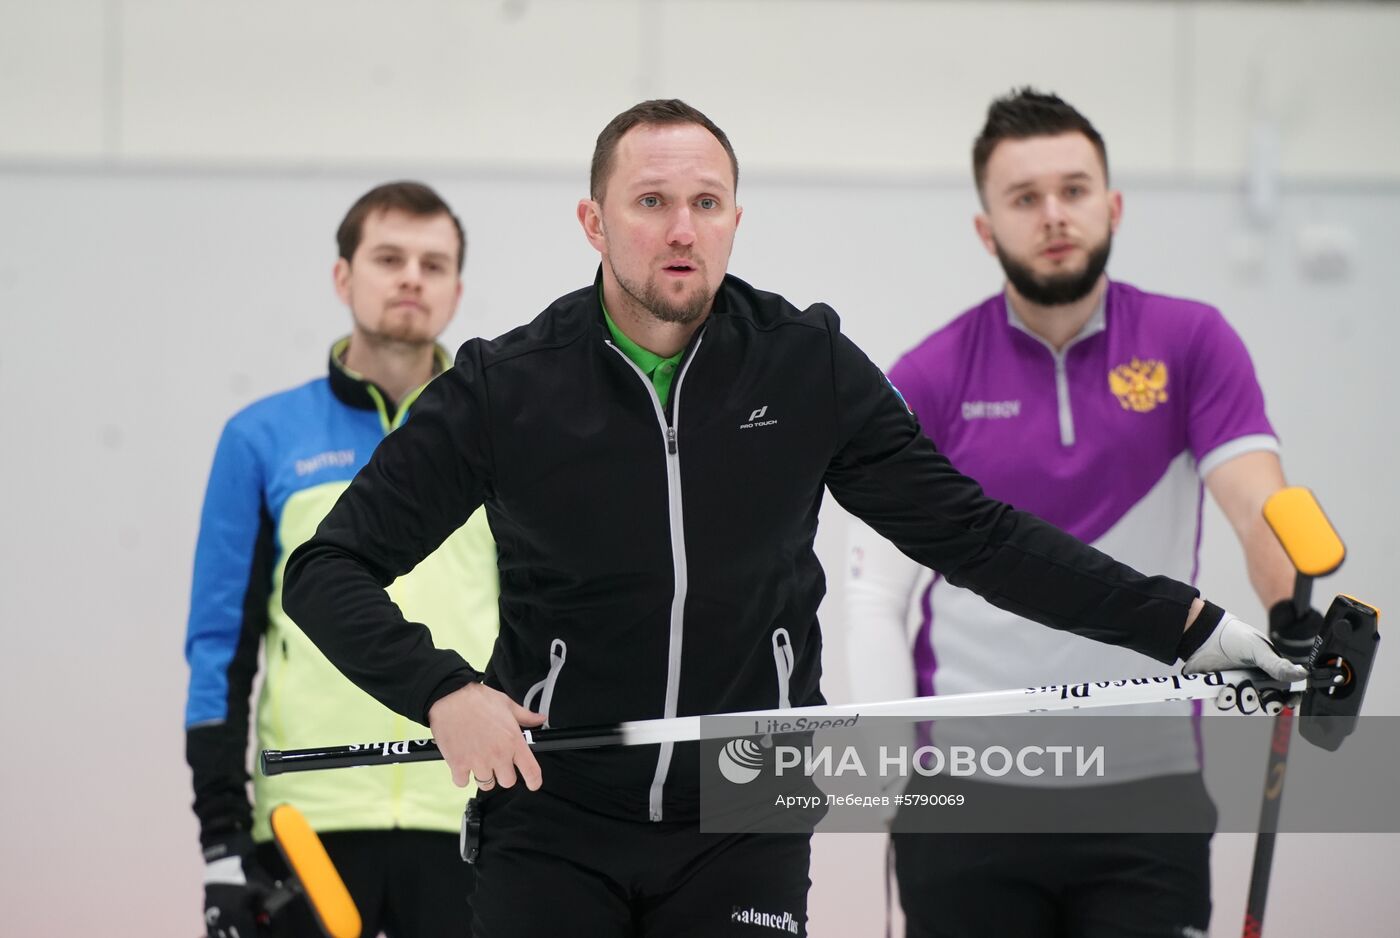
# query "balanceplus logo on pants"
(782, 921)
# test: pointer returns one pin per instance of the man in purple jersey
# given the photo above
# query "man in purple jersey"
(1105, 410)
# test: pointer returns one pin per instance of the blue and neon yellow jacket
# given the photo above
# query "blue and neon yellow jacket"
(280, 465)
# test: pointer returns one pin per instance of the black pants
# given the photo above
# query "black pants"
(549, 867)
(407, 884)
(1059, 885)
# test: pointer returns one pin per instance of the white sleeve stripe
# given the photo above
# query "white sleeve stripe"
(1240, 445)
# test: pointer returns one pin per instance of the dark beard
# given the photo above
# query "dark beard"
(1057, 289)
(651, 299)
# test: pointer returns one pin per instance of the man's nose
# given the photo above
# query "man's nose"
(1054, 210)
(682, 230)
(411, 274)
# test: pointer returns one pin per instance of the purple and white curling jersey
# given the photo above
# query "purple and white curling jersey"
(1109, 439)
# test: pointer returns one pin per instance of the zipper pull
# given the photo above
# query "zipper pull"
(671, 440)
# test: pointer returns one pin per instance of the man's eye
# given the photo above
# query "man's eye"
(388, 260)
(1025, 200)
(649, 201)
(707, 203)
(1074, 192)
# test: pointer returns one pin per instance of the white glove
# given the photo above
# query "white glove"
(1234, 644)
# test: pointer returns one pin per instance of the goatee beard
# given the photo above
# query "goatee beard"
(1056, 289)
(405, 337)
(650, 298)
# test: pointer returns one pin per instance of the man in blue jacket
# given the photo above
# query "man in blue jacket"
(280, 465)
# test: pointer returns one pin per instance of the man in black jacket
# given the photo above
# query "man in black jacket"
(652, 452)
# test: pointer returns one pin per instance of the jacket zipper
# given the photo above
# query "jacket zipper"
(1064, 409)
(545, 687)
(782, 664)
(678, 561)
(388, 423)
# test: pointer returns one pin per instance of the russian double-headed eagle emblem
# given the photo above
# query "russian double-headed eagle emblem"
(1139, 385)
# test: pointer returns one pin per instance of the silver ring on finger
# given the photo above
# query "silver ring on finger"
(486, 783)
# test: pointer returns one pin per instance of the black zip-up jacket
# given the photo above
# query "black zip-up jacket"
(658, 562)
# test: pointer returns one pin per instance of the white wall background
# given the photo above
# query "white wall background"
(171, 175)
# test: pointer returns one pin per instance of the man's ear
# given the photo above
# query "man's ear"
(983, 224)
(340, 278)
(590, 217)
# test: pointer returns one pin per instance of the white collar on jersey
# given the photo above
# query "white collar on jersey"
(1095, 324)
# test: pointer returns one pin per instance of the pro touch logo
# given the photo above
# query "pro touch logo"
(740, 761)
(782, 921)
(756, 419)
